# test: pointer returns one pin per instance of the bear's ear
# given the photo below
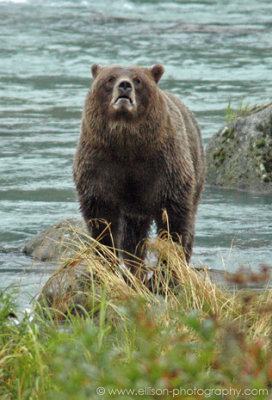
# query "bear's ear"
(157, 72)
(95, 68)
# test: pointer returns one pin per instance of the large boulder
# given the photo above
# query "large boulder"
(69, 290)
(240, 155)
(58, 241)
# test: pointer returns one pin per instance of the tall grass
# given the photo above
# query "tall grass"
(242, 110)
(101, 329)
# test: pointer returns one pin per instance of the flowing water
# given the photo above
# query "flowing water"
(213, 52)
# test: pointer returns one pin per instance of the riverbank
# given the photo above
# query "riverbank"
(128, 337)
(192, 335)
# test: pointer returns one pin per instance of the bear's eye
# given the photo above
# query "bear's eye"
(137, 81)
(111, 79)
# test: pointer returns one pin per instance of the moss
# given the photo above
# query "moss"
(219, 156)
(228, 133)
(268, 165)
(260, 143)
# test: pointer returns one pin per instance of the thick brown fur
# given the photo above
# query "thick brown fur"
(140, 152)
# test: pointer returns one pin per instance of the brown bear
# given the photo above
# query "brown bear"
(140, 152)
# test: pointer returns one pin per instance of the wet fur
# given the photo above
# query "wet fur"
(130, 166)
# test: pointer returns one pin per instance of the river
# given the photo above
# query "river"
(213, 52)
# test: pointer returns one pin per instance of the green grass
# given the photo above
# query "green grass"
(242, 110)
(198, 342)
(231, 114)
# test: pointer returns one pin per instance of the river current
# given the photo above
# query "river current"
(213, 52)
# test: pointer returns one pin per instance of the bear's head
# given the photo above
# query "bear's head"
(124, 94)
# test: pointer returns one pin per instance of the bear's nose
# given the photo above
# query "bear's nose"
(125, 87)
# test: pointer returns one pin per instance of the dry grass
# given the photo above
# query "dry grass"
(179, 331)
(96, 271)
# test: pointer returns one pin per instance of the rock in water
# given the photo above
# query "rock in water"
(239, 156)
(59, 240)
(70, 290)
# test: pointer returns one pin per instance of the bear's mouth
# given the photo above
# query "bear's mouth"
(123, 100)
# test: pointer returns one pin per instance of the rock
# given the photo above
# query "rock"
(70, 290)
(240, 155)
(82, 285)
(58, 241)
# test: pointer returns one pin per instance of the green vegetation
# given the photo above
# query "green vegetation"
(194, 342)
(242, 110)
(260, 143)
(219, 156)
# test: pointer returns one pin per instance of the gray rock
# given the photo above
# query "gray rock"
(240, 155)
(72, 289)
(58, 241)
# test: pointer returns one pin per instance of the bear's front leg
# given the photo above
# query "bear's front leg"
(181, 228)
(134, 232)
(102, 220)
